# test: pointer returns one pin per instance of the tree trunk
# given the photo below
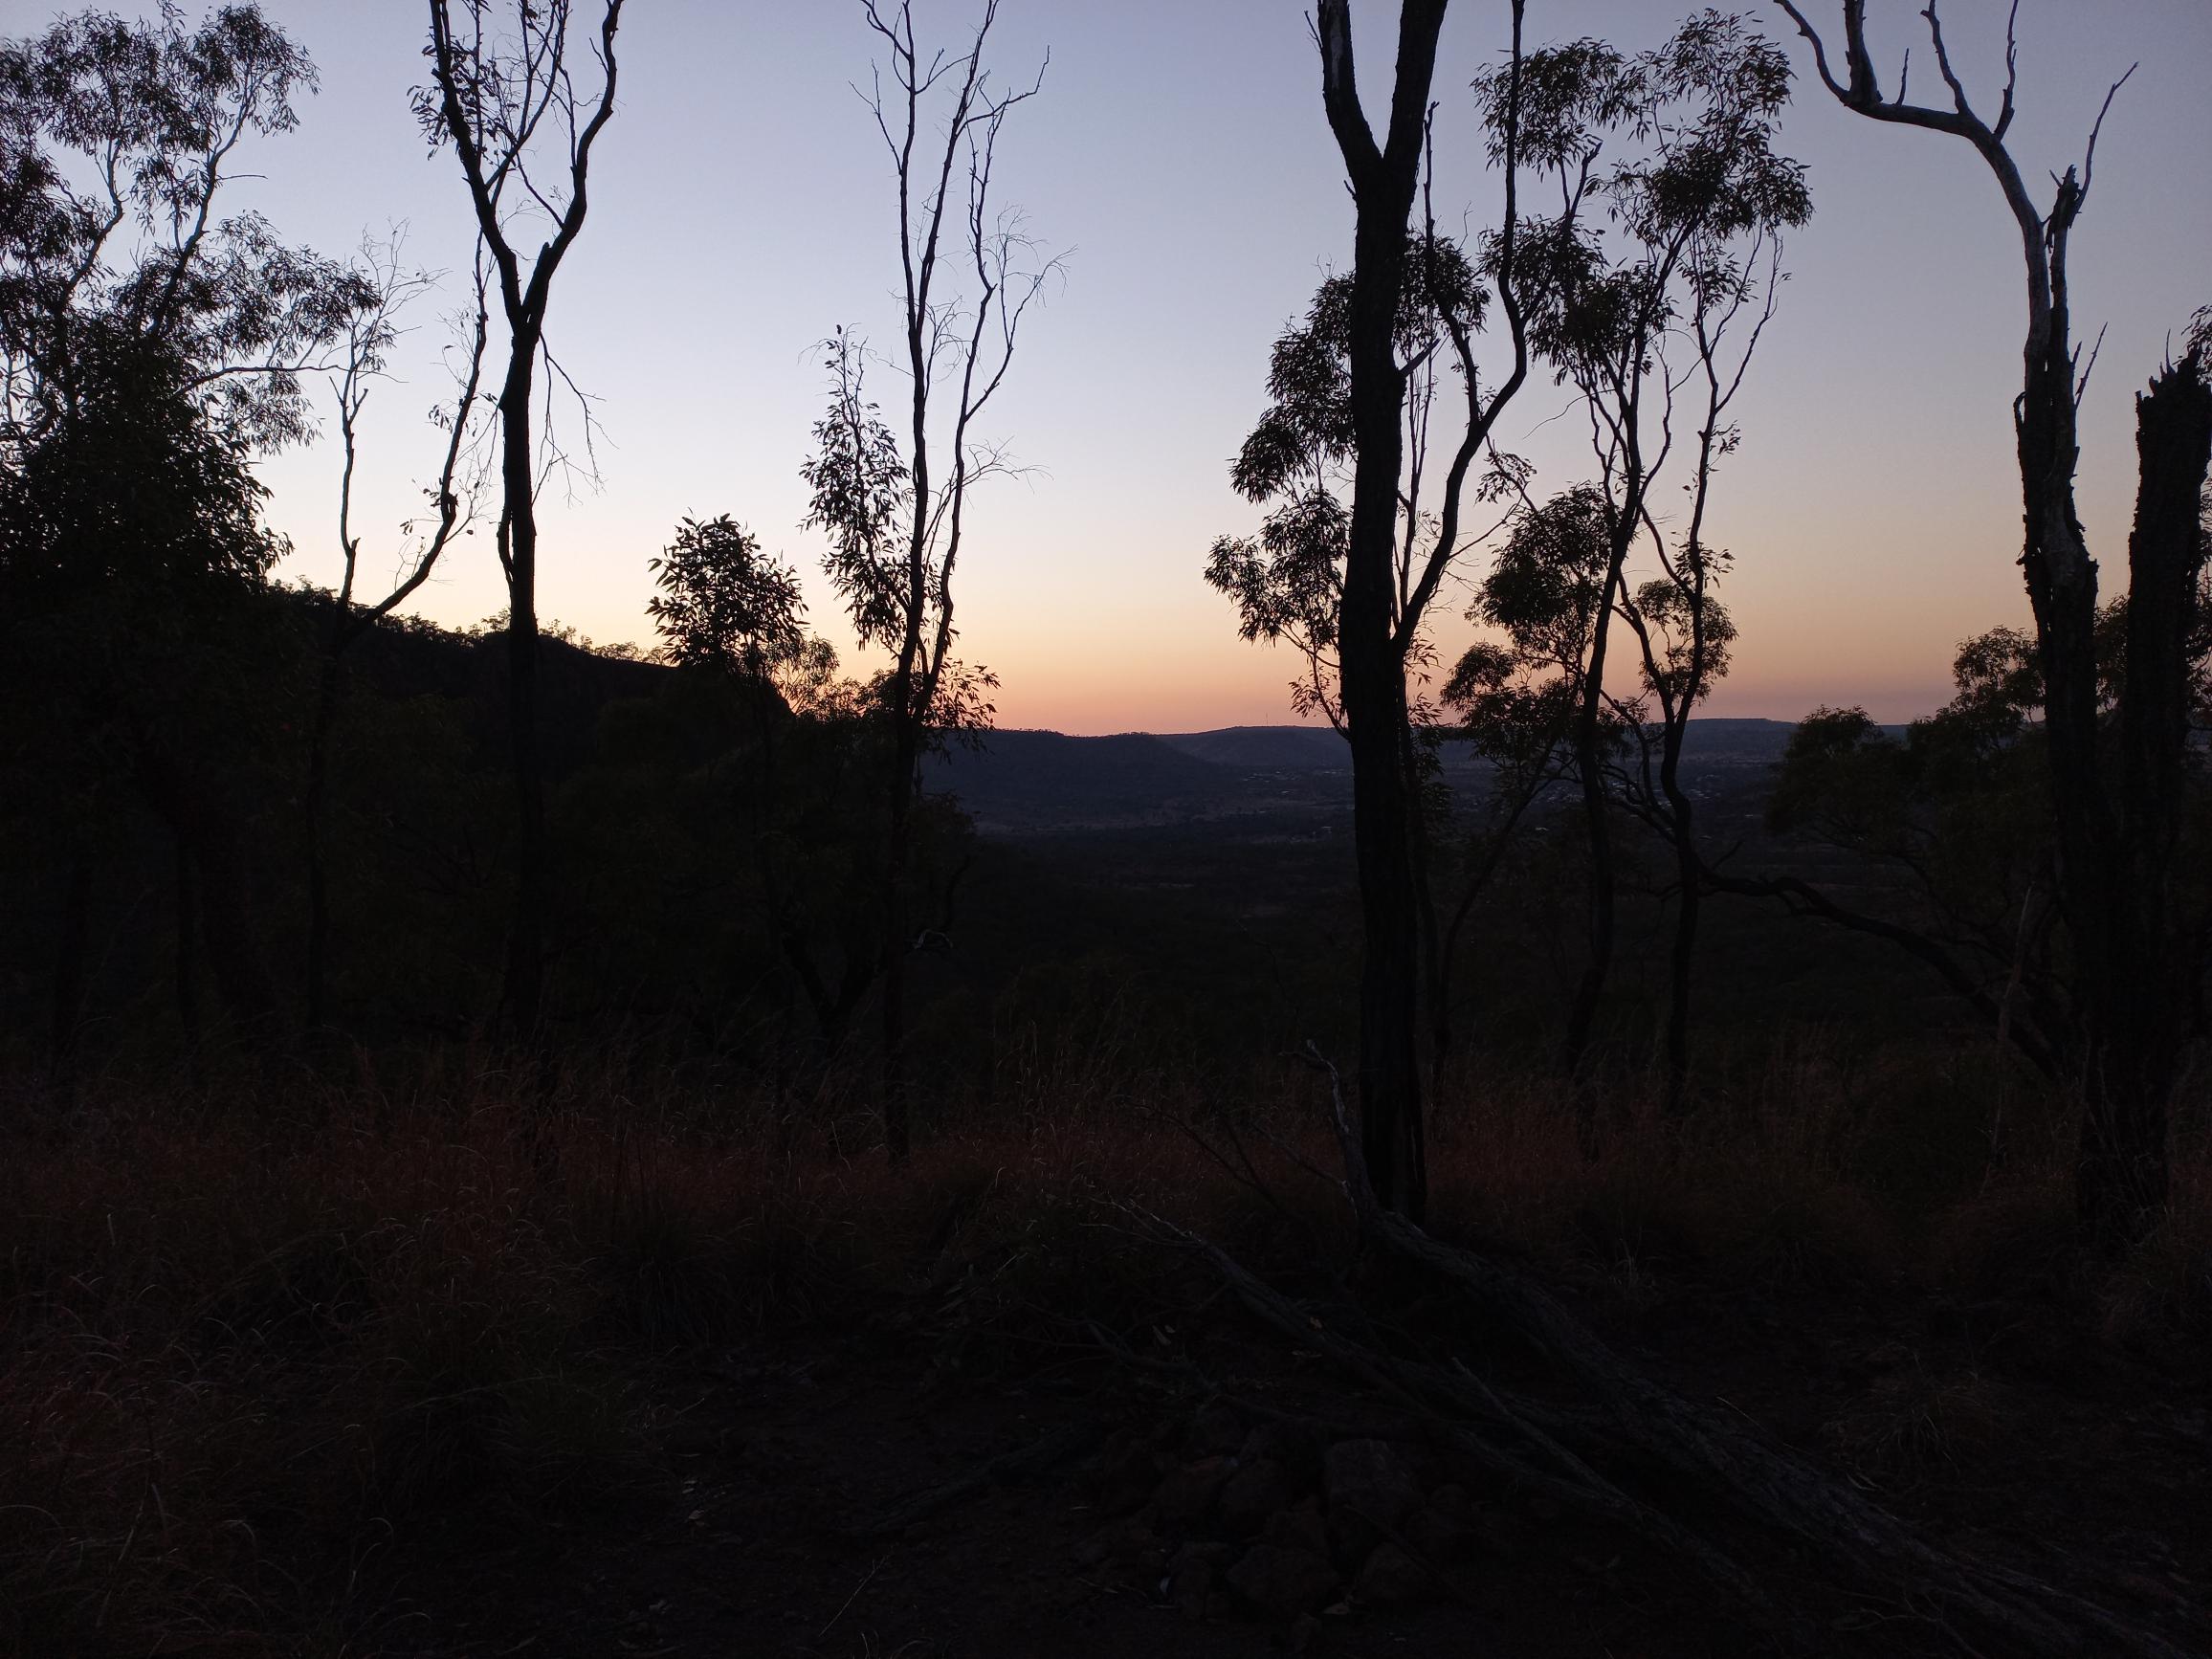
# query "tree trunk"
(523, 993)
(897, 1132)
(1689, 905)
(2142, 1007)
(2062, 588)
(214, 887)
(1589, 770)
(318, 879)
(188, 962)
(1390, 1106)
(1375, 716)
(1371, 658)
(69, 972)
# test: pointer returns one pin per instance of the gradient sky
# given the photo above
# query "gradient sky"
(1178, 155)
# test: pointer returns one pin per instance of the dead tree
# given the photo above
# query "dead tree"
(895, 502)
(2116, 806)
(452, 510)
(500, 102)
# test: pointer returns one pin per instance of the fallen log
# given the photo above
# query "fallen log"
(1698, 1484)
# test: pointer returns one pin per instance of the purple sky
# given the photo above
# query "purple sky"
(1179, 154)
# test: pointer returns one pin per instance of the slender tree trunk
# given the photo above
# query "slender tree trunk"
(1375, 714)
(1389, 974)
(188, 962)
(1370, 657)
(213, 871)
(523, 994)
(1420, 845)
(1596, 820)
(897, 1131)
(1689, 870)
(2141, 1010)
(1689, 906)
(2062, 588)
(68, 963)
(317, 877)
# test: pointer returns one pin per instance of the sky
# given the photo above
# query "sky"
(1179, 159)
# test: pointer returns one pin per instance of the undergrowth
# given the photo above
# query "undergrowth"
(253, 1336)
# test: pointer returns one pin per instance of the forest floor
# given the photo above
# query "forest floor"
(765, 1519)
(335, 1378)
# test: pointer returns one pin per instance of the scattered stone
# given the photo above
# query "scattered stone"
(1437, 1534)
(1186, 1498)
(1122, 1542)
(1390, 1578)
(1370, 1494)
(1190, 1587)
(1496, 1532)
(1300, 1527)
(1217, 1432)
(1216, 1556)
(1297, 1449)
(1128, 1470)
(1254, 1492)
(1283, 1583)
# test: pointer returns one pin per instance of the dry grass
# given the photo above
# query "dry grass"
(245, 1346)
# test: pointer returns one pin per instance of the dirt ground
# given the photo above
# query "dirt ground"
(762, 1518)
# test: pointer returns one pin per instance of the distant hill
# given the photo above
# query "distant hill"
(1268, 780)
(1026, 781)
(1290, 748)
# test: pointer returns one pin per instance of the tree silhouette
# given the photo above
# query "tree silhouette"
(895, 502)
(2116, 780)
(1655, 276)
(524, 134)
(452, 498)
(1353, 390)
(150, 344)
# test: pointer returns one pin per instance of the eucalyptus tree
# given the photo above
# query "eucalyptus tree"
(2117, 774)
(150, 334)
(1351, 582)
(506, 95)
(1672, 203)
(733, 616)
(894, 501)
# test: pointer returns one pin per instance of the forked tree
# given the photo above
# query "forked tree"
(505, 95)
(1647, 291)
(893, 501)
(1372, 606)
(2118, 770)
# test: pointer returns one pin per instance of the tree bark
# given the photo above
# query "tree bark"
(68, 963)
(897, 1129)
(2110, 880)
(214, 888)
(1689, 906)
(1589, 771)
(2141, 1009)
(522, 996)
(1371, 657)
(188, 962)
(317, 875)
